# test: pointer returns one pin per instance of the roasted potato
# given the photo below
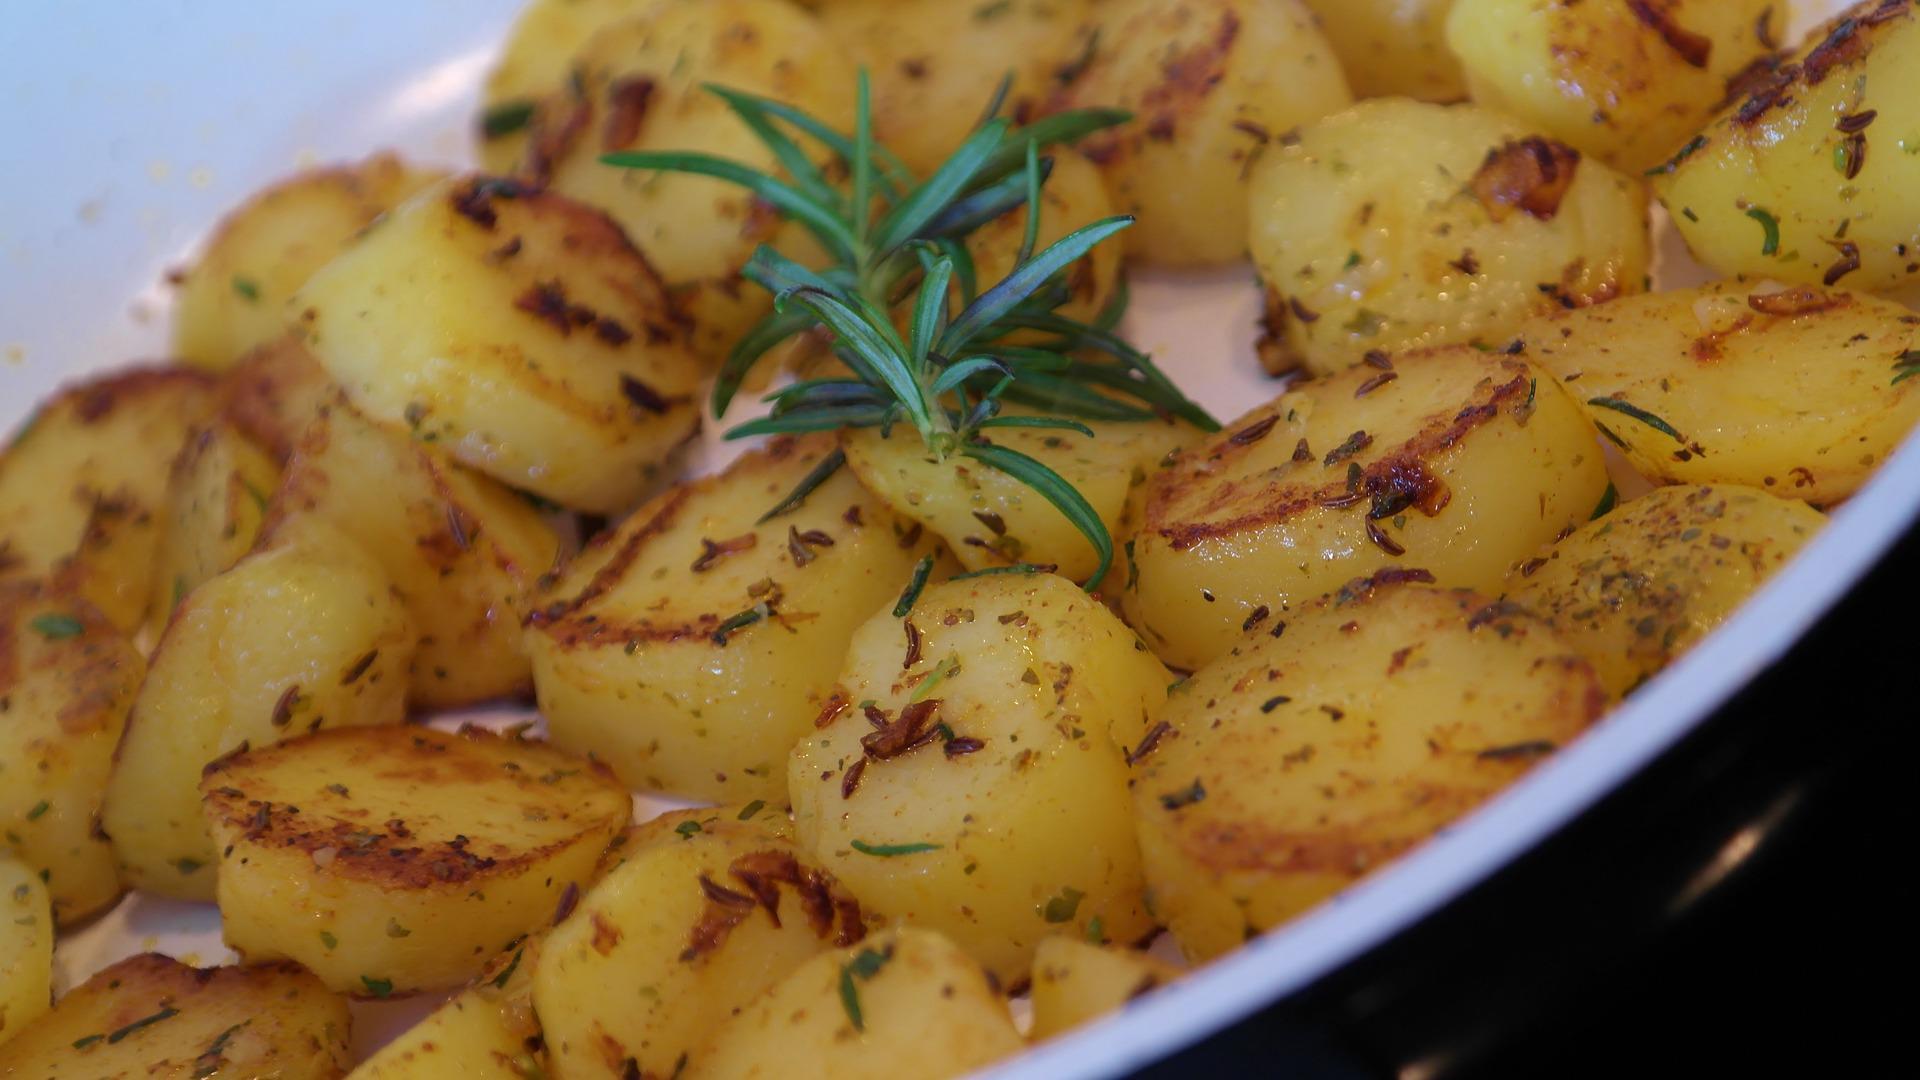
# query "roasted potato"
(394, 859)
(153, 1016)
(1212, 84)
(234, 298)
(1798, 390)
(1812, 173)
(692, 646)
(465, 1039)
(81, 481)
(67, 678)
(26, 947)
(462, 551)
(1640, 586)
(990, 804)
(1626, 83)
(863, 1012)
(216, 499)
(1393, 48)
(273, 393)
(291, 640)
(1452, 461)
(1398, 224)
(517, 328)
(1294, 765)
(536, 60)
(1076, 982)
(684, 933)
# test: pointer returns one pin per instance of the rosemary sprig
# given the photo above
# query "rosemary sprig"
(896, 242)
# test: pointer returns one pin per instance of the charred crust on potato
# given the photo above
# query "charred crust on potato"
(1798, 300)
(473, 199)
(627, 102)
(1694, 49)
(1531, 174)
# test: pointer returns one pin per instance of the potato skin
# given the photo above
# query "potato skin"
(1393, 225)
(1626, 83)
(1029, 819)
(26, 948)
(625, 660)
(1076, 982)
(517, 328)
(1294, 766)
(1393, 48)
(1634, 590)
(1794, 390)
(151, 1015)
(1211, 84)
(1782, 152)
(1247, 526)
(67, 678)
(394, 859)
(216, 500)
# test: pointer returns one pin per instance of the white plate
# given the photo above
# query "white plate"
(134, 125)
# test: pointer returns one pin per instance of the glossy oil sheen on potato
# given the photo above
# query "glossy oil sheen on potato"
(1398, 224)
(26, 948)
(216, 500)
(1294, 765)
(394, 859)
(1076, 982)
(464, 1039)
(1393, 48)
(1463, 464)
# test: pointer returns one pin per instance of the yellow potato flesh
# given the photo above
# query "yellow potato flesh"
(1393, 48)
(1075, 982)
(26, 948)
(216, 501)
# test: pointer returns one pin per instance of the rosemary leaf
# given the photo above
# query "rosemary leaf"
(816, 476)
(1055, 489)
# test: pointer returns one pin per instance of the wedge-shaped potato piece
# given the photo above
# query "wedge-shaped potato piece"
(1624, 82)
(903, 996)
(153, 1016)
(1393, 48)
(536, 60)
(1210, 84)
(641, 85)
(291, 640)
(1451, 461)
(1798, 390)
(216, 501)
(1398, 224)
(1293, 766)
(970, 778)
(1636, 589)
(461, 550)
(1812, 173)
(691, 647)
(234, 299)
(1076, 982)
(273, 393)
(67, 679)
(26, 947)
(80, 484)
(394, 859)
(988, 518)
(465, 1039)
(687, 931)
(517, 328)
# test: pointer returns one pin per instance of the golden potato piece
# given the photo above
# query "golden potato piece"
(692, 646)
(1398, 224)
(1393, 48)
(1798, 390)
(685, 933)
(969, 776)
(67, 679)
(517, 328)
(537, 60)
(465, 1039)
(1211, 85)
(292, 639)
(1451, 461)
(216, 500)
(1293, 766)
(395, 859)
(234, 298)
(1076, 982)
(153, 1016)
(26, 948)
(1636, 589)
(273, 393)
(861, 1012)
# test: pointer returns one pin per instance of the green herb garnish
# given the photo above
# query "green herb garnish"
(686, 829)
(1905, 366)
(1061, 908)
(1685, 152)
(888, 851)
(166, 1013)
(916, 582)
(1770, 241)
(1642, 415)
(748, 811)
(247, 289)
(377, 987)
(39, 808)
(1608, 500)
(506, 118)
(57, 627)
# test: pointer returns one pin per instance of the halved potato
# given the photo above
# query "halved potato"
(1295, 765)
(692, 646)
(1076, 982)
(67, 679)
(1798, 390)
(216, 500)
(234, 298)
(901, 996)
(26, 947)
(465, 1039)
(1811, 174)
(684, 933)
(292, 639)
(462, 551)
(395, 859)
(273, 393)
(969, 775)
(1451, 461)
(153, 1016)
(1211, 85)
(536, 60)
(1398, 224)
(1643, 584)
(517, 328)
(1393, 48)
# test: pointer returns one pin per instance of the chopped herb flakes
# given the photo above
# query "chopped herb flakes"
(377, 987)
(747, 812)
(1770, 226)
(888, 851)
(1062, 908)
(57, 627)
(1186, 796)
(686, 829)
